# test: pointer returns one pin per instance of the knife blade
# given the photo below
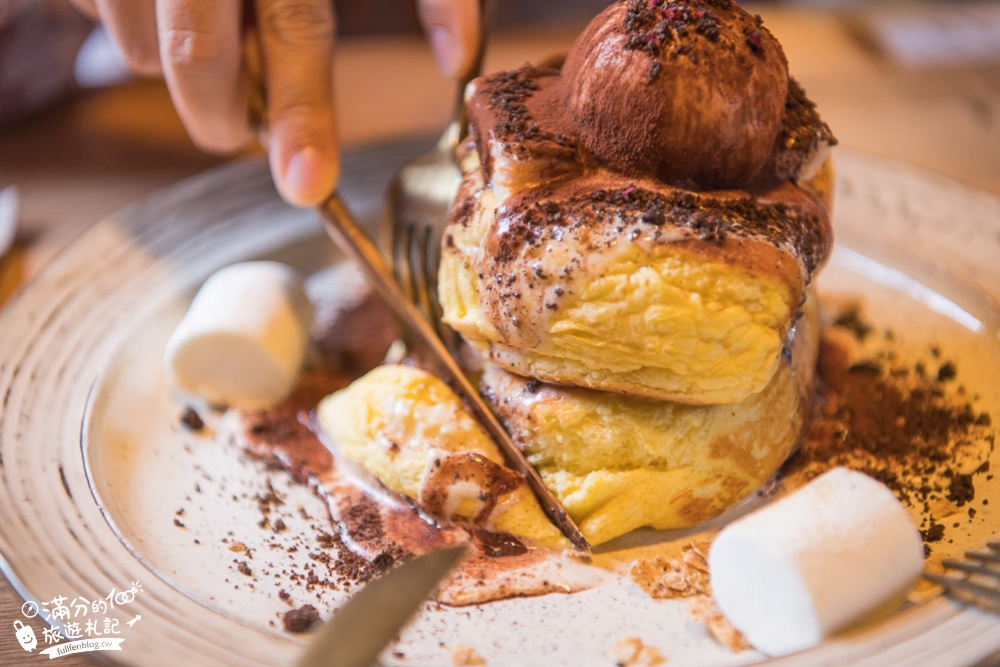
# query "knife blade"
(363, 627)
(9, 207)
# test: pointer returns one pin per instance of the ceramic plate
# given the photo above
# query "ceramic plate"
(105, 497)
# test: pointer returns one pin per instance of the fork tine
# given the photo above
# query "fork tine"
(983, 556)
(971, 568)
(418, 269)
(401, 261)
(445, 333)
(993, 546)
(966, 586)
(435, 236)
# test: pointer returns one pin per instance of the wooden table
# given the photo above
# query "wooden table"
(80, 162)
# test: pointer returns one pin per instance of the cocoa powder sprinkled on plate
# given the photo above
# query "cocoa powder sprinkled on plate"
(896, 422)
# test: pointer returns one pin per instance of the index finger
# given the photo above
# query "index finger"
(297, 50)
(453, 27)
(200, 49)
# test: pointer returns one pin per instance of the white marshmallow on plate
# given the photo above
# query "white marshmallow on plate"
(797, 571)
(244, 338)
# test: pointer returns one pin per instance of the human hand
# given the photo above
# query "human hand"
(199, 49)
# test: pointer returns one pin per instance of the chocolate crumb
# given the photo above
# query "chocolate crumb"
(191, 420)
(852, 320)
(301, 619)
(961, 489)
(178, 523)
(244, 569)
(933, 532)
(946, 372)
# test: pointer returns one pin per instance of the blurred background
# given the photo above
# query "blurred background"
(867, 63)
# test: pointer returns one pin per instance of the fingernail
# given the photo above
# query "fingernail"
(446, 50)
(309, 178)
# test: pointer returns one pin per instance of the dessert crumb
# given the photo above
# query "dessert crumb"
(465, 655)
(191, 420)
(632, 652)
(686, 576)
(301, 619)
(670, 578)
(702, 609)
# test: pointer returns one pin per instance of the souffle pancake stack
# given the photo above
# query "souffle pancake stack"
(631, 253)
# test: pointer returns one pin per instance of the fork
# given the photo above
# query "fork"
(981, 585)
(418, 199)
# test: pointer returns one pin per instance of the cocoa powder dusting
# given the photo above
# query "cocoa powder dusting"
(508, 93)
(896, 422)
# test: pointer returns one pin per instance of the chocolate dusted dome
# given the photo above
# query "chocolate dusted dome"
(691, 92)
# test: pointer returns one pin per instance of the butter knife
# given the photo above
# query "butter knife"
(360, 630)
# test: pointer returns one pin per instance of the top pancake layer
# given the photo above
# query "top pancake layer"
(647, 219)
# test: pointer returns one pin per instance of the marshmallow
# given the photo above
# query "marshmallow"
(243, 340)
(813, 563)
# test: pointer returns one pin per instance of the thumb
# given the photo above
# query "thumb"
(453, 27)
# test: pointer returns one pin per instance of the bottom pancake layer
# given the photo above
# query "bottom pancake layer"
(620, 462)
